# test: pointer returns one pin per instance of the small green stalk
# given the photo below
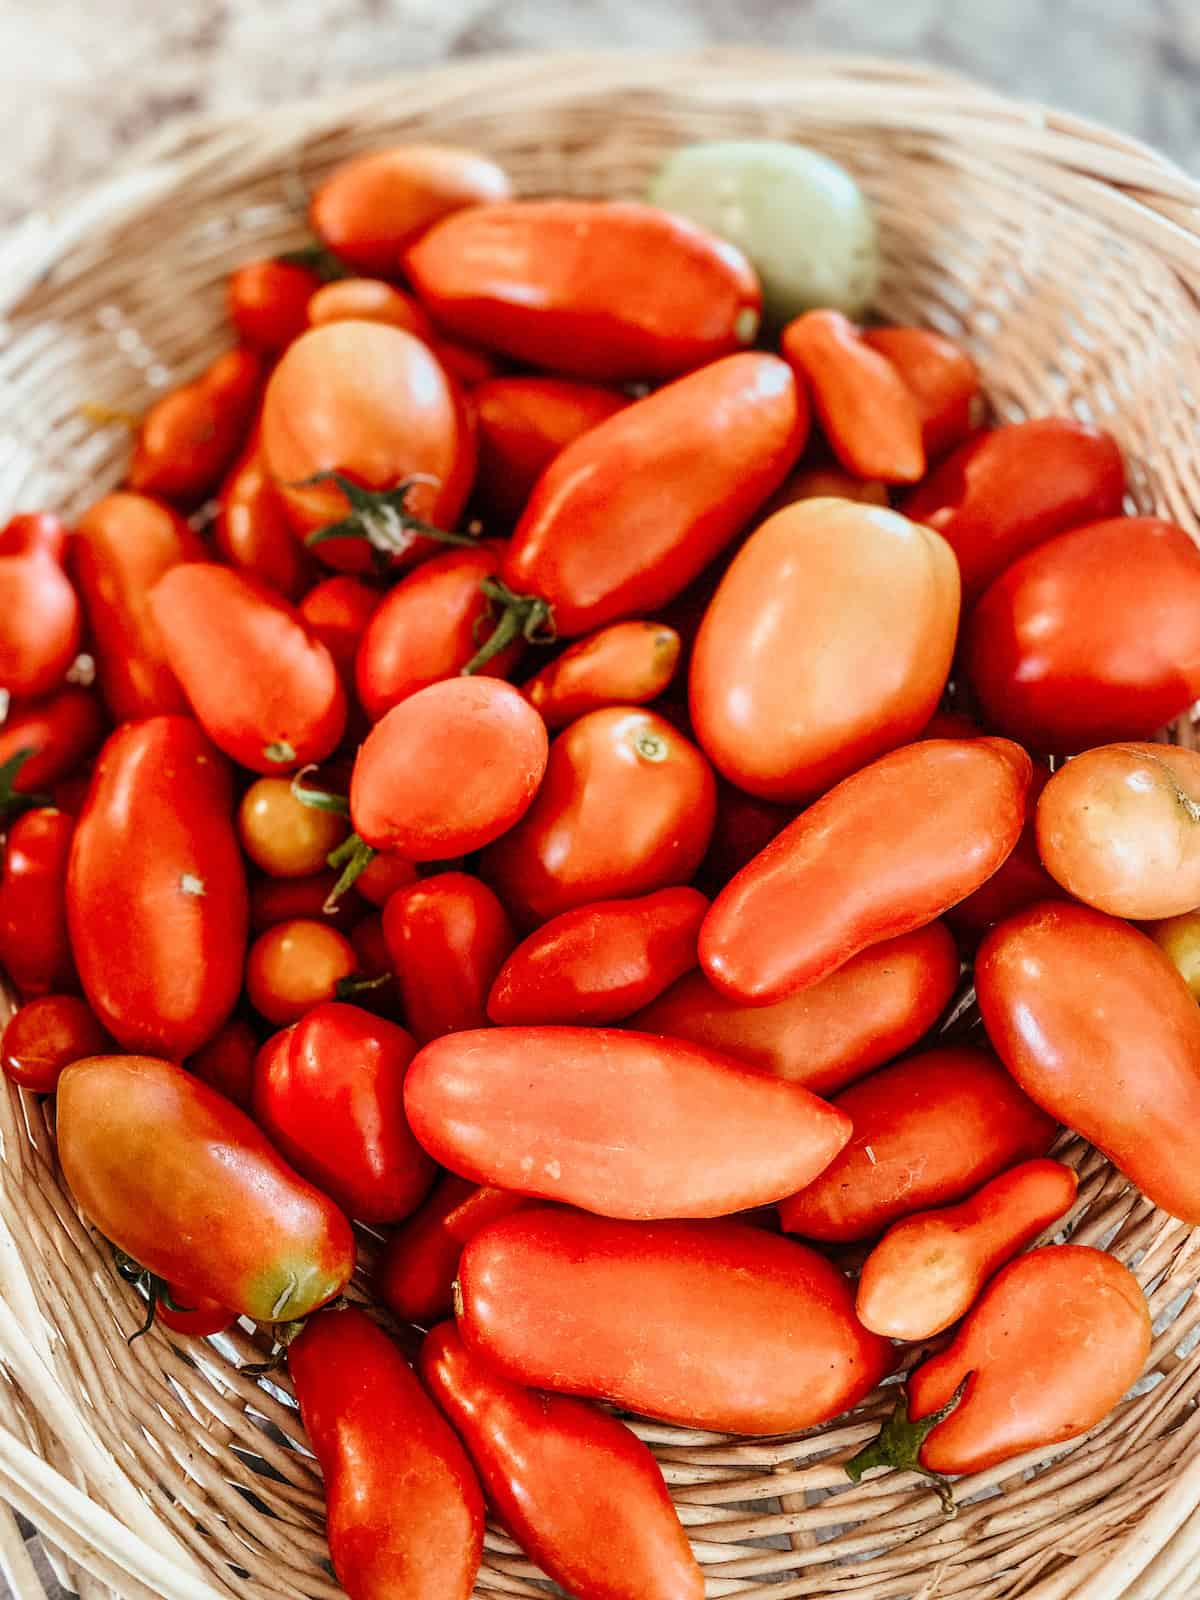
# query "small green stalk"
(318, 799)
(354, 856)
(318, 259)
(156, 1289)
(898, 1445)
(516, 616)
(350, 988)
(12, 800)
(379, 516)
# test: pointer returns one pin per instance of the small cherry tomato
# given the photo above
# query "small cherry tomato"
(447, 937)
(294, 966)
(383, 876)
(625, 664)
(47, 1034)
(226, 1062)
(275, 900)
(373, 206)
(417, 1268)
(59, 734)
(337, 611)
(264, 689)
(189, 438)
(35, 948)
(1179, 938)
(253, 531)
(369, 300)
(329, 1092)
(282, 835)
(192, 1314)
(40, 622)
(927, 1130)
(373, 1427)
(941, 378)
(268, 301)
(448, 770)
(626, 807)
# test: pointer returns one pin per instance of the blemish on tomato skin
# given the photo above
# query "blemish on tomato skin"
(190, 884)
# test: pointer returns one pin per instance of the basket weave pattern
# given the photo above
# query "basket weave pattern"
(1067, 259)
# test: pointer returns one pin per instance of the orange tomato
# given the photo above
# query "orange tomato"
(627, 663)
(268, 301)
(190, 437)
(295, 965)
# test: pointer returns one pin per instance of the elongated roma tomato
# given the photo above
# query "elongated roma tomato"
(156, 892)
(582, 1495)
(862, 1015)
(40, 621)
(1007, 490)
(418, 1265)
(1032, 1381)
(929, 1269)
(599, 963)
(595, 289)
(253, 531)
(927, 1131)
(1119, 828)
(524, 422)
(626, 516)
(447, 937)
(625, 664)
(265, 691)
(828, 643)
(268, 301)
(123, 545)
(57, 734)
(642, 1314)
(189, 438)
(1096, 1025)
(448, 770)
(614, 1122)
(35, 949)
(941, 378)
(373, 1427)
(885, 852)
(372, 206)
(626, 807)
(330, 1094)
(1058, 650)
(44, 1036)
(176, 1176)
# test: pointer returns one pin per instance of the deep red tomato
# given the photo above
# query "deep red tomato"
(745, 824)
(35, 949)
(383, 876)
(189, 438)
(883, 853)
(294, 966)
(47, 1034)
(373, 1427)
(226, 1062)
(524, 423)
(264, 689)
(448, 770)
(927, 1130)
(941, 378)
(447, 937)
(600, 963)
(583, 1495)
(625, 664)
(180, 1179)
(275, 900)
(1019, 881)
(828, 643)
(577, 1115)
(156, 891)
(123, 545)
(1007, 490)
(253, 531)
(1058, 649)
(417, 1268)
(558, 1299)
(191, 1314)
(40, 622)
(329, 1092)
(35, 533)
(603, 290)
(59, 734)
(369, 300)
(626, 807)
(337, 611)
(268, 301)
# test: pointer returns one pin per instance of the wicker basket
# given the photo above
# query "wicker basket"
(1068, 259)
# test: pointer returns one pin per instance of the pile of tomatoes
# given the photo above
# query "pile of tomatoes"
(611, 997)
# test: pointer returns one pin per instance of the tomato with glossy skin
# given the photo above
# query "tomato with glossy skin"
(295, 965)
(40, 622)
(1095, 1023)
(47, 1034)
(1032, 1380)
(1179, 938)
(226, 1062)
(828, 643)
(524, 422)
(35, 533)
(626, 807)
(329, 1092)
(872, 1009)
(607, 290)
(253, 532)
(613, 1122)
(373, 1426)
(1019, 881)
(123, 545)
(428, 627)
(59, 734)
(941, 378)
(268, 301)
(929, 1269)
(641, 1314)
(885, 852)
(369, 300)
(418, 1265)
(282, 835)
(383, 876)
(156, 891)
(1010, 489)
(625, 664)
(337, 611)
(448, 770)
(190, 437)
(868, 413)
(599, 963)
(373, 403)
(1119, 828)
(582, 1495)
(192, 1314)
(927, 1130)
(35, 948)
(274, 900)
(447, 937)
(625, 517)
(180, 1179)
(372, 206)
(263, 688)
